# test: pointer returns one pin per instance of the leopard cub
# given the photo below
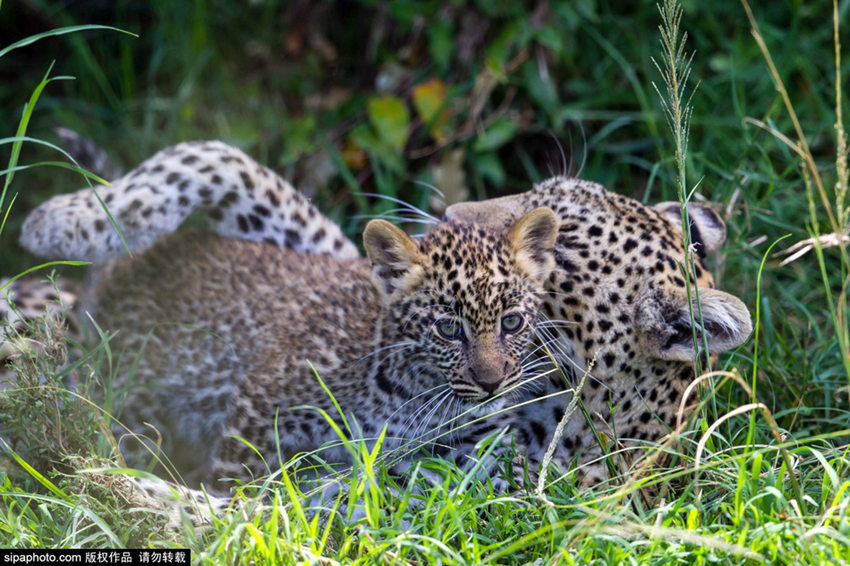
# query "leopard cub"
(239, 352)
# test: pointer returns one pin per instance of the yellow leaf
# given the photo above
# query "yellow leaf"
(390, 118)
(429, 101)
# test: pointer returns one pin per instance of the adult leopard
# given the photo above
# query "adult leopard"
(631, 304)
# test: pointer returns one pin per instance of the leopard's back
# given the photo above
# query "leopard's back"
(202, 320)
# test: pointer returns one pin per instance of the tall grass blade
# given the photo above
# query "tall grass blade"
(22, 128)
(29, 40)
(35, 473)
(676, 103)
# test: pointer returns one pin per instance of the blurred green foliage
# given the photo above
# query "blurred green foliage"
(474, 97)
(292, 82)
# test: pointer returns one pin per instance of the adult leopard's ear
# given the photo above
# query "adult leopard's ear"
(722, 321)
(708, 230)
(533, 237)
(396, 259)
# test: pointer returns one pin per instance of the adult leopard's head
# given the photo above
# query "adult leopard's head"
(464, 299)
(618, 294)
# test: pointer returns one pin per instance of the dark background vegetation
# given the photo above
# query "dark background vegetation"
(478, 98)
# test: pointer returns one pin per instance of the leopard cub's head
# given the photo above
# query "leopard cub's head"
(464, 300)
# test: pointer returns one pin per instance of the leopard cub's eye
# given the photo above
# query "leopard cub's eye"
(449, 328)
(512, 322)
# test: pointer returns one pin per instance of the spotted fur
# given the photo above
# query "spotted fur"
(232, 337)
(617, 297)
(241, 198)
(22, 301)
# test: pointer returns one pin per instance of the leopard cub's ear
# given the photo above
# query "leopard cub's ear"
(396, 259)
(533, 237)
(708, 230)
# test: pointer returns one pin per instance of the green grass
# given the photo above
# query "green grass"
(762, 475)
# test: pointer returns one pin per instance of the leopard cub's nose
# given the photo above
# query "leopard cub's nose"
(487, 378)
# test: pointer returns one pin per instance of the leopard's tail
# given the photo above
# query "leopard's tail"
(88, 154)
(241, 198)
